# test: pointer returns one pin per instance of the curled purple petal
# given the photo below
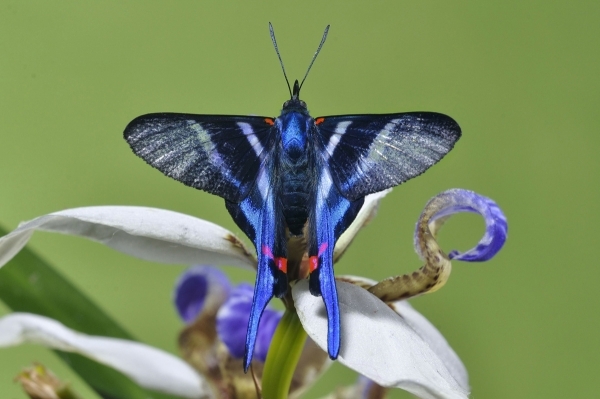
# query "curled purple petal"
(458, 200)
(232, 323)
(199, 289)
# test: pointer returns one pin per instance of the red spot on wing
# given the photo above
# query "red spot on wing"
(281, 264)
(313, 263)
(270, 121)
(319, 120)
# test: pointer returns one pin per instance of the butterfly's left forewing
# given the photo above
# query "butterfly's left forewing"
(218, 154)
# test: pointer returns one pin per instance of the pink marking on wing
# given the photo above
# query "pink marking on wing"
(322, 248)
(267, 252)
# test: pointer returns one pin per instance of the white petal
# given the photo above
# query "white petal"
(366, 213)
(435, 340)
(150, 367)
(425, 330)
(377, 343)
(147, 233)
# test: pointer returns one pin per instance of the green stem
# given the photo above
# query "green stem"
(284, 353)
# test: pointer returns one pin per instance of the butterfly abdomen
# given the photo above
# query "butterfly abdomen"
(294, 200)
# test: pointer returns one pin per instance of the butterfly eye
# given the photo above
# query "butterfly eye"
(303, 104)
(285, 104)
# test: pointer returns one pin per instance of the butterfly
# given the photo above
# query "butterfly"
(293, 184)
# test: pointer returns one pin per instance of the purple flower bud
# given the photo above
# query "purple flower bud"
(199, 289)
(232, 323)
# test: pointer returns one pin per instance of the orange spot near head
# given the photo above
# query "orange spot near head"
(313, 263)
(281, 264)
(319, 120)
(270, 121)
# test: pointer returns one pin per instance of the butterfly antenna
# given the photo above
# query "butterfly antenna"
(315, 56)
(279, 56)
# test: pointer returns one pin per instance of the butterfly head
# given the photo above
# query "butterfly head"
(294, 103)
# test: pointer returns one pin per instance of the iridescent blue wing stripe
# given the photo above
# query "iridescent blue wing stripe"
(332, 215)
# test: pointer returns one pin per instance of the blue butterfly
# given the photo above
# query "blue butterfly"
(293, 184)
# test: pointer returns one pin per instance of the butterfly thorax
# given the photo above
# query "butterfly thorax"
(295, 166)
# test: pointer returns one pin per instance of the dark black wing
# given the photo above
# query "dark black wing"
(369, 153)
(215, 153)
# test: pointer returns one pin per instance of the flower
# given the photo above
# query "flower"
(213, 340)
(404, 352)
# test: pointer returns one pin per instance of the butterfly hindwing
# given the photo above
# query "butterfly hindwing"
(332, 215)
(218, 154)
(370, 153)
(260, 216)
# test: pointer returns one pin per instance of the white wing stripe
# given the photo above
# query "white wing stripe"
(252, 139)
(335, 138)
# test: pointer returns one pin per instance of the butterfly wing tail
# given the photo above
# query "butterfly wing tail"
(333, 214)
(263, 221)
(322, 282)
(263, 292)
(322, 279)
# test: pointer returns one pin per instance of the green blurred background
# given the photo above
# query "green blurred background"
(521, 77)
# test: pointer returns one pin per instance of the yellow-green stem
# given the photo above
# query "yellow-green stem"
(284, 353)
